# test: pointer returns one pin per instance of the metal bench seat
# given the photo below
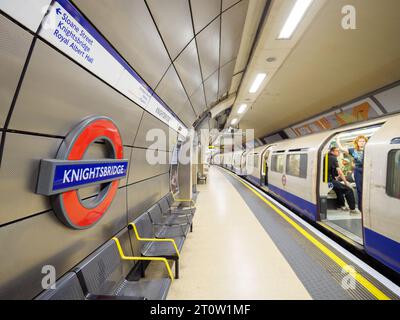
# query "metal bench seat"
(169, 225)
(163, 231)
(104, 273)
(177, 205)
(156, 289)
(67, 288)
(151, 245)
(184, 215)
(163, 249)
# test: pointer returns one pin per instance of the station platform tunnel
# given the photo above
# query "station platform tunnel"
(199, 150)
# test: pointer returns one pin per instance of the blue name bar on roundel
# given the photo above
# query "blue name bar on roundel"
(73, 175)
(57, 176)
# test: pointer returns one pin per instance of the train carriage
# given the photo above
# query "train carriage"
(294, 172)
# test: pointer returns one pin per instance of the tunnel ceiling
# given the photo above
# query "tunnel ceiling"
(185, 50)
(328, 65)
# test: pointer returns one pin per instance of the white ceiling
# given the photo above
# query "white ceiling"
(323, 65)
(184, 49)
(194, 52)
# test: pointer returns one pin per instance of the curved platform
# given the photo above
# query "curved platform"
(256, 249)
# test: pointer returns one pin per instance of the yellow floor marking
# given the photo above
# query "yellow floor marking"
(357, 276)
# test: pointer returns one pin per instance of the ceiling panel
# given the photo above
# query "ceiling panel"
(345, 65)
(171, 91)
(231, 31)
(174, 22)
(235, 82)
(188, 68)
(131, 30)
(225, 77)
(211, 87)
(208, 43)
(228, 3)
(187, 115)
(204, 11)
(198, 100)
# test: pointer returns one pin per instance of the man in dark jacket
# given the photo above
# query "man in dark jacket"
(343, 190)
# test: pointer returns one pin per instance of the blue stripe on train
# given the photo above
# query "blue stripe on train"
(303, 206)
(383, 249)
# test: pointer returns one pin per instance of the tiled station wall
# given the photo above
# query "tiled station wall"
(43, 95)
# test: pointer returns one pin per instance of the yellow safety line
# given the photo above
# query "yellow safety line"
(153, 239)
(124, 257)
(358, 277)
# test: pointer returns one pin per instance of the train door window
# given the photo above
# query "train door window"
(277, 163)
(256, 159)
(264, 162)
(296, 165)
(393, 174)
(264, 168)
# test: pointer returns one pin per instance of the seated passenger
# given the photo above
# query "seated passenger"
(348, 169)
(344, 189)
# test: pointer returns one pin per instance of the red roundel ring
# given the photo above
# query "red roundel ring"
(68, 205)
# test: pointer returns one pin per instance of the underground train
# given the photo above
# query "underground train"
(293, 171)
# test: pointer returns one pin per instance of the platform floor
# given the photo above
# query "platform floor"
(229, 255)
(242, 249)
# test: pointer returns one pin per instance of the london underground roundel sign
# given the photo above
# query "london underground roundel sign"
(61, 178)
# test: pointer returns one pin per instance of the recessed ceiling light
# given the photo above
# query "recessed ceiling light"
(294, 18)
(242, 108)
(271, 59)
(234, 121)
(257, 82)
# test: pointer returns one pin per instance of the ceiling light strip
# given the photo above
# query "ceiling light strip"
(294, 18)
(257, 82)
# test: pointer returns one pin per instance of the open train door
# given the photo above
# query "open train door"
(340, 219)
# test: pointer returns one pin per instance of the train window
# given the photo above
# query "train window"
(395, 141)
(393, 174)
(256, 159)
(277, 163)
(296, 165)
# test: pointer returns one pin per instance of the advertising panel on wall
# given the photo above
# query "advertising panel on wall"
(174, 180)
(377, 104)
(356, 112)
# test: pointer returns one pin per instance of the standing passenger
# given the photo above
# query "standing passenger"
(358, 154)
(342, 190)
